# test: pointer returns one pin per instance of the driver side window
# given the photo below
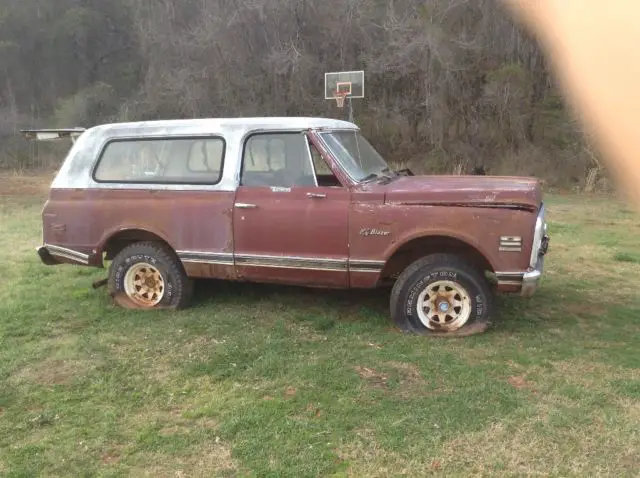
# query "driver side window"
(277, 160)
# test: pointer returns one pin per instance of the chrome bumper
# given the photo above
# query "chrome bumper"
(525, 282)
(51, 255)
(45, 256)
(531, 280)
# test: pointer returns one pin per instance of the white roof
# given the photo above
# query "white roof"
(76, 169)
(218, 125)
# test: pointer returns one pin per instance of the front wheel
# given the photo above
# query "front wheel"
(441, 295)
(148, 275)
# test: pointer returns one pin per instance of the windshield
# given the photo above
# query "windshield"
(361, 161)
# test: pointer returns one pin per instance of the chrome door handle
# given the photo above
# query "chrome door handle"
(243, 205)
(316, 195)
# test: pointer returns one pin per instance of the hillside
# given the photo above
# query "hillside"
(449, 84)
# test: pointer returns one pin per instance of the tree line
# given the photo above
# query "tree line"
(450, 84)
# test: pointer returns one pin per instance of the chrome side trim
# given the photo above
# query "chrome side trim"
(66, 253)
(286, 262)
(213, 258)
(206, 261)
(203, 253)
(366, 263)
(308, 263)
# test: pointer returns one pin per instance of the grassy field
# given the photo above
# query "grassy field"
(271, 381)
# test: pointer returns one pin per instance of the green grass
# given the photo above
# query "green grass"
(270, 381)
(631, 257)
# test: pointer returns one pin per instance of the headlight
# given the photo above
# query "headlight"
(539, 233)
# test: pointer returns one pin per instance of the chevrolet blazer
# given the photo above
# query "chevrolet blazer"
(304, 201)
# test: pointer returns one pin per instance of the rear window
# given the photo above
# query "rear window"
(162, 160)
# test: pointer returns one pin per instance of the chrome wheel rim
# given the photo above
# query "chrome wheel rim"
(444, 306)
(144, 284)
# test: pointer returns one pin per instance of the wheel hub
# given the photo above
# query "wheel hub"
(144, 285)
(444, 306)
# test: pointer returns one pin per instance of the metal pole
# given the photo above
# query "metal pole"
(350, 110)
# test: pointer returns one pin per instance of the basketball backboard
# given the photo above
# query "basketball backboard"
(350, 82)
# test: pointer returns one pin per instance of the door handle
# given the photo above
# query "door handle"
(243, 205)
(316, 195)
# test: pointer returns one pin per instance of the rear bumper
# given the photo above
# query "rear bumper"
(524, 283)
(53, 255)
(45, 256)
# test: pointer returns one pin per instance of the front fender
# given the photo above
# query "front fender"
(425, 233)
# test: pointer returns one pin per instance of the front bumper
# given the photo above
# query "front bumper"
(524, 283)
(531, 280)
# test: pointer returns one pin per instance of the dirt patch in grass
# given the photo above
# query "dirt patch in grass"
(51, 372)
(290, 392)
(520, 382)
(112, 456)
(401, 379)
(373, 378)
(410, 379)
(211, 460)
(409, 373)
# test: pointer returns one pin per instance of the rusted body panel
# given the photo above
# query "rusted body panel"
(476, 191)
(477, 227)
(198, 222)
(276, 231)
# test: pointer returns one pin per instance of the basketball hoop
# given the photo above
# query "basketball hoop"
(343, 89)
(340, 84)
(340, 97)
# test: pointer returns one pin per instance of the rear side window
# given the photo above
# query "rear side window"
(162, 160)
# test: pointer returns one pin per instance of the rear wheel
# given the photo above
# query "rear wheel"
(441, 295)
(148, 275)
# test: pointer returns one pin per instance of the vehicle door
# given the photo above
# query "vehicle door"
(289, 228)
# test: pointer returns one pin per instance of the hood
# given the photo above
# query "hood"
(483, 191)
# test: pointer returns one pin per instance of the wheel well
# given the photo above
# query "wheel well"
(423, 246)
(122, 239)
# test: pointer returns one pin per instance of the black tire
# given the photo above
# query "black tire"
(177, 290)
(416, 279)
